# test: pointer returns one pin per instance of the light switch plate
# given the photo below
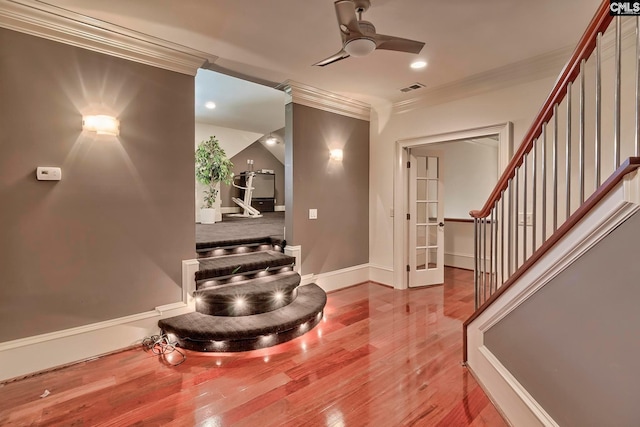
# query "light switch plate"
(48, 173)
(313, 213)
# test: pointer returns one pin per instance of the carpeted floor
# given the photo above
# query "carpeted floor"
(270, 225)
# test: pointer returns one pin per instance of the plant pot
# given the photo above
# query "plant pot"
(207, 216)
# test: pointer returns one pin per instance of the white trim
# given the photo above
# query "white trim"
(545, 65)
(621, 202)
(505, 132)
(327, 101)
(189, 269)
(230, 209)
(307, 279)
(296, 252)
(465, 261)
(511, 398)
(51, 22)
(345, 277)
(24, 356)
(349, 276)
(381, 274)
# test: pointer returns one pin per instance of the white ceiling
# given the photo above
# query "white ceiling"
(279, 40)
(240, 104)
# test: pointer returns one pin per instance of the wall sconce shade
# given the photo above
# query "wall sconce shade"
(336, 154)
(102, 125)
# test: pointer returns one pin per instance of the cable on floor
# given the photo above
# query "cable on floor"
(161, 346)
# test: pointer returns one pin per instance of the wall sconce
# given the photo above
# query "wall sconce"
(336, 154)
(102, 125)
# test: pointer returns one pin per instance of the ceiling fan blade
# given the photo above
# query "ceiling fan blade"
(398, 44)
(333, 58)
(346, 14)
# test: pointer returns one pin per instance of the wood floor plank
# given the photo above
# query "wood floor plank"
(380, 356)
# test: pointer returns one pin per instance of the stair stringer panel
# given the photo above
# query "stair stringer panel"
(510, 397)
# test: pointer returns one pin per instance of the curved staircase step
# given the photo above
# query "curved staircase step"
(246, 297)
(241, 241)
(242, 263)
(237, 246)
(201, 332)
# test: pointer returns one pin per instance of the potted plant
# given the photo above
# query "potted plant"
(212, 167)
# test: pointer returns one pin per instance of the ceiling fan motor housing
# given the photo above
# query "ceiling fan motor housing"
(366, 27)
(362, 44)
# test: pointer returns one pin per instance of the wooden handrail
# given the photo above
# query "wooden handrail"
(630, 165)
(585, 47)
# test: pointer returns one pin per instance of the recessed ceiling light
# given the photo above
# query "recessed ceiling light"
(210, 105)
(416, 65)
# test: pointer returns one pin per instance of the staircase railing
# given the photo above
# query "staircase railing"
(587, 124)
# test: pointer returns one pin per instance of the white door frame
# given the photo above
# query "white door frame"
(400, 178)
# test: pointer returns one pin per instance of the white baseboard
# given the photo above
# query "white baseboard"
(381, 274)
(236, 209)
(230, 209)
(465, 261)
(338, 279)
(307, 279)
(25, 356)
(520, 408)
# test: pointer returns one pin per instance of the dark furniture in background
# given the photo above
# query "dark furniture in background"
(264, 193)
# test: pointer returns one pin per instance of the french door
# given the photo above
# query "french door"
(426, 218)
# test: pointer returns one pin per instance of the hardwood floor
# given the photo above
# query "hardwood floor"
(380, 357)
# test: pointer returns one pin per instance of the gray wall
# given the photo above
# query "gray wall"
(339, 238)
(574, 344)
(108, 240)
(262, 159)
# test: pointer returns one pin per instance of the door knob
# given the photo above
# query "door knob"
(441, 224)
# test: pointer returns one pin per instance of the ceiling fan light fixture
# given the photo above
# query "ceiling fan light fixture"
(361, 46)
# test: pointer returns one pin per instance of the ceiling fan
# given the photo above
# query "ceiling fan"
(359, 37)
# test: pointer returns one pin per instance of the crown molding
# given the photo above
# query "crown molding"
(327, 101)
(535, 68)
(40, 19)
(546, 65)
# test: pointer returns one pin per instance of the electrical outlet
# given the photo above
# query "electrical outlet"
(522, 217)
(313, 213)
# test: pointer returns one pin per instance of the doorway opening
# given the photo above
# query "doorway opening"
(248, 120)
(465, 145)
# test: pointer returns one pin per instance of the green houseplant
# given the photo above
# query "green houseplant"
(212, 167)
